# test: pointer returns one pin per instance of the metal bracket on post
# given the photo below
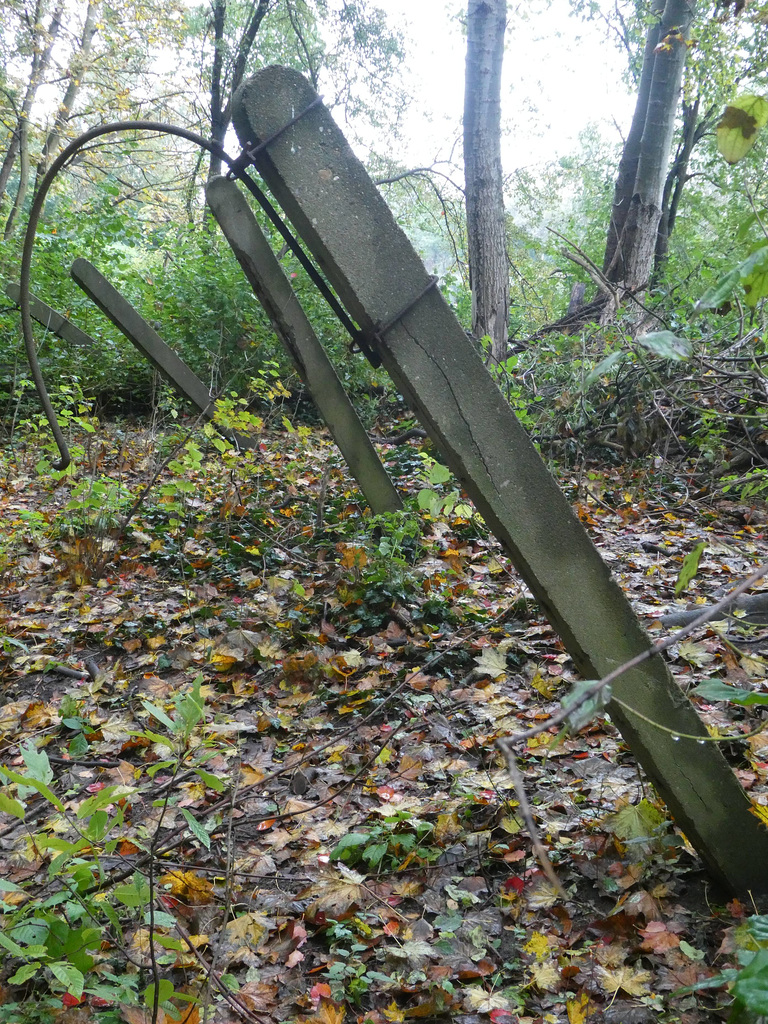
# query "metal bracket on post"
(369, 342)
(366, 342)
(251, 151)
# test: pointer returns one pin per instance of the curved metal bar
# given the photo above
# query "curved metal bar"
(29, 241)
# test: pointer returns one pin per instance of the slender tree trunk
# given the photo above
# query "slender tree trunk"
(486, 234)
(218, 128)
(21, 192)
(694, 130)
(625, 180)
(223, 89)
(75, 72)
(631, 243)
(43, 48)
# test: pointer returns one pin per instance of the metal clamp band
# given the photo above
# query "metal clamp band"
(251, 151)
(368, 343)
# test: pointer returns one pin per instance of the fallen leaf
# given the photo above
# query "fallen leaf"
(625, 979)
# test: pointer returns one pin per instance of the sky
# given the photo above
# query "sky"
(560, 74)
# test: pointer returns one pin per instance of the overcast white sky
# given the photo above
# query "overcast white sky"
(559, 75)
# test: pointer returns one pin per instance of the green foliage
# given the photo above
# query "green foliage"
(383, 570)
(748, 983)
(690, 567)
(397, 841)
(430, 499)
(54, 943)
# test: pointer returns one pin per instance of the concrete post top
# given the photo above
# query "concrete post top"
(280, 84)
(326, 193)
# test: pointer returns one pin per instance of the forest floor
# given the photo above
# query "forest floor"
(258, 733)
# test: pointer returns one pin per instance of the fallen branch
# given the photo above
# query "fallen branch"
(754, 607)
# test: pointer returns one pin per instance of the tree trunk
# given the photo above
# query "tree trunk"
(218, 128)
(631, 242)
(625, 180)
(222, 87)
(21, 191)
(42, 49)
(694, 130)
(75, 72)
(486, 235)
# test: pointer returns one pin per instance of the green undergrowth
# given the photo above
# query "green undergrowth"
(249, 758)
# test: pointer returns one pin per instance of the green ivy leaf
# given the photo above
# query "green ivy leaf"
(161, 716)
(583, 715)
(42, 789)
(98, 801)
(603, 367)
(756, 284)
(752, 273)
(10, 806)
(165, 990)
(37, 762)
(212, 781)
(25, 972)
(374, 854)
(69, 976)
(351, 841)
(719, 292)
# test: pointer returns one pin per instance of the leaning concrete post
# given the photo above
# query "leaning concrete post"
(337, 210)
(150, 344)
(50, 318)
(275, 294)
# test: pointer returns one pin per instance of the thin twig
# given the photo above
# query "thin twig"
(525, 810)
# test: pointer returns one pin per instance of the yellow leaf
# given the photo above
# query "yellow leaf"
(578, 1009)
(753, 666)
(249, 929)
(546, 977)
(491, 662)
(634, 983)
(510, 824)
(189, 886)
(739, 125)
(394, 1013)
(760, 812)
(543, 896)
(140, 942)
(542, 685)
(480, 1001)
(537, 945)
(447, 828)
(329, 1013)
